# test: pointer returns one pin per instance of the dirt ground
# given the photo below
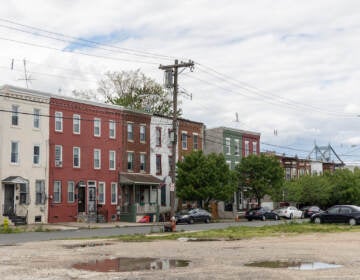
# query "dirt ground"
(209, 260)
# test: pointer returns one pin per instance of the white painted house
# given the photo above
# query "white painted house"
(24, 137)
(160, 153)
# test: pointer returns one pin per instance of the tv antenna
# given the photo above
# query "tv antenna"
(27, 78)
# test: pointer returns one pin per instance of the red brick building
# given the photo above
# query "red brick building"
(84, 159)
(190, 137)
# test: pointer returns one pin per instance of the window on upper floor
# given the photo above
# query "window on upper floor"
(142, 133)
(36, 120)
(59, 121)
(97, 158)
(184, 140)
(130, 132)
(36, 154)
(247, 148)
(130, 160)
(158, 165)
(227, 146)
(14, 158)
(236, 147)
(76, 157)
(112, 129)
(97, 127)
(14, 115)
(254, 146)
(143, 162)
(76, 124)
(112, 158)
(58, 155)
(195, 141)
(158, 136)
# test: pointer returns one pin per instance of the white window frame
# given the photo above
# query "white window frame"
(195, 143)
(76, 124)
(15, 115)
(58, 155)
(227, 146)
(71, 192)
(40, 192)
(132, 154)
(38, 156)
(101, 193)
(184, 137)
(236, 147)
(247, 148)
(57, 192)
(254, 143)
(78, 149)
(142, 133)
(36, 119)
(59, 121)
(142, 162)
(112, 129)
(14, 153)
(130, 131)
(97, 127)
(97, 159)
(158, 136)
(228, 162)
(112, 160)
(114, 193)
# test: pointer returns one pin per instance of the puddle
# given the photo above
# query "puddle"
(84, 245)
(192, 239)
(131, 264)
(294, 265)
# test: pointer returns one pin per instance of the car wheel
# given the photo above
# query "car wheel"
(207, 220)
(263, 218)
(291, 216)
(191, 221)
(352, 222)
(317, 220)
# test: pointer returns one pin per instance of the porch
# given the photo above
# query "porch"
(139, 196)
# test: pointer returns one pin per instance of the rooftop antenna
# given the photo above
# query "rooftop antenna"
(27, 77)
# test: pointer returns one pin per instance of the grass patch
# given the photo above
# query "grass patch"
(244, 232)
(9, 230)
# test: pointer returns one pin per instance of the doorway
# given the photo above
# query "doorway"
(9, 199)
(81, 200)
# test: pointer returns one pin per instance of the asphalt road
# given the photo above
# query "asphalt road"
(15, 238)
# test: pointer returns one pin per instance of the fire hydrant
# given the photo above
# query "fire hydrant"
(173, 223)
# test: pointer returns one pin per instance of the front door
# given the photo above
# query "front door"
(81, 199)
(9, 200)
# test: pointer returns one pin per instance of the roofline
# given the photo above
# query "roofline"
(236, 130)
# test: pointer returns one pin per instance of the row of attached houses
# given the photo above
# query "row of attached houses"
(64, 159)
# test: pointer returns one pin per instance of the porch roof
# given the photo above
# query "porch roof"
(15, 180)
(139, 179)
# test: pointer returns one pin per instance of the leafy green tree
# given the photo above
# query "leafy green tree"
(204, 177)
(260, 175)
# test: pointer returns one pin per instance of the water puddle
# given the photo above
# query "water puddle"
(294, 265)
(131, 264)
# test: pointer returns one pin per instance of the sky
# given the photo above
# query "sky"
(287, 69)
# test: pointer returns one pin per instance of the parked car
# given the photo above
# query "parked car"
(338, 214)
(308, 211)
(290, 212)
(193, 216)
(261, 213)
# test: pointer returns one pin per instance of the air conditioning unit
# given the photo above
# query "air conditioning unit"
(58, 163)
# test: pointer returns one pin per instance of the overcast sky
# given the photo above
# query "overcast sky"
(289, 69)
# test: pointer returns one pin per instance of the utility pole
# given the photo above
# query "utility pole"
(174, 68)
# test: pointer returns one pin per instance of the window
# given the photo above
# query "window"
(195, 141)
(57, 192)
(97, 127)
(112, 129)
(130, 132)
(76, 124)
(170, 160)
(15, 115)
(14, 152)
(58, 155)
(113, 193)
(24, 194)
(101, 193)
(227, 146)
(36, 118)
(39, 192)
(76, 157)
(142, 133)
(112, 156)
(158, 136)
(247, 148)
(254, 147)
(71, 191)
(170, 137)
(228, 162)
(97, 162)
(36, 154)
(59, 121)
(142, 162)
(130, 158)
(288, 173)
(236, 147)
(158, 165)
(184, 140)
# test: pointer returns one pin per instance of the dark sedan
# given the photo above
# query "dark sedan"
(193, 216)
(308, 211)
(338, 214)
(261, 213)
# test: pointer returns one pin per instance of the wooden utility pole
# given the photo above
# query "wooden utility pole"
(174, 68)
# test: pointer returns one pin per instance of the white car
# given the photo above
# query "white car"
(289, 212)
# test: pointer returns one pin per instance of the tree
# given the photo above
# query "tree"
(204, 177)
(132, 89)
(260, 175)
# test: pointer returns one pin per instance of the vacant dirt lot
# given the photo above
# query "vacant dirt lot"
(209, 260)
